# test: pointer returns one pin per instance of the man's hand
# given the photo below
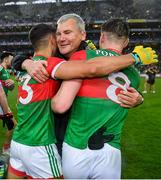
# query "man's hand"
(7, 120)
(130, 98)
(9, 83)
(36, 69)
(144, 56)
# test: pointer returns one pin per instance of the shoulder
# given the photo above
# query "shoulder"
(54, 63)
(79, 55)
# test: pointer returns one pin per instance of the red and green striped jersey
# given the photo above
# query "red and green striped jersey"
(35, 117)
(96, 104)
(4, 75)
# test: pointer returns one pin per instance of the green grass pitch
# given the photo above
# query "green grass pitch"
(141, 137)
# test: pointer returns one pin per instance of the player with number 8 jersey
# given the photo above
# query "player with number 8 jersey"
(97, 102)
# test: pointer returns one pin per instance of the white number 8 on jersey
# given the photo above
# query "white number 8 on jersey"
(111, 90)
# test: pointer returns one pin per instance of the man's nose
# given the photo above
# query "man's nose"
(62, 37)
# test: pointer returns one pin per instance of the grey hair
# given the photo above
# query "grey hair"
(80, 22)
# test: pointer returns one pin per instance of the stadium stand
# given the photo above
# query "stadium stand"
(17, 17)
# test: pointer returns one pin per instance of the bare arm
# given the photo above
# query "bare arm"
(96, 67)
(36, 69)
(6, 115)
(100, 66)
(78, 69)
(3, 101)
(65, 96)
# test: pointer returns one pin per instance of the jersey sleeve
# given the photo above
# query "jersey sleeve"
(53, 64)
(79, 55)
(1, 68)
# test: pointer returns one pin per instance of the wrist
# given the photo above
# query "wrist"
(9, 114)
(136, 58)
(141, 100)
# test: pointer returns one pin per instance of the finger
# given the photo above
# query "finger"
(44, 73)
(155, 56)
(8, 84)
(37, 79)
(41, 69)
(39, 75)
(125, 94)
(125, 100)
(44, 63)
(131, 89)
(149, 48)
(125, 106)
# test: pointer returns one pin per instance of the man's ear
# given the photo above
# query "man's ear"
(5, 60)
(102, 38)
(53, 40)
(84, 34)
(126, 43)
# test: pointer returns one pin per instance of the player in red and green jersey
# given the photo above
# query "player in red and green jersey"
(6, 58)
(4, 75)
(6, 114)
(8, 84)
(96, 116)
(33, 149)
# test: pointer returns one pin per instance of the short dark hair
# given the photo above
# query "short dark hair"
(4, 55)
(39, 32)
(116, 26)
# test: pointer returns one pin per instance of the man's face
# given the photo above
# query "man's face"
(69, 37)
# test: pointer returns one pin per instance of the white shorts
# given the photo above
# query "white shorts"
(35, 161)
(91, 164)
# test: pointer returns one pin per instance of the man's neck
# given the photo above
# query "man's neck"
(45, 52)
(113, 47)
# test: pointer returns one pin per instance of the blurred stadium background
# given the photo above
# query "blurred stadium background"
(141, 136)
